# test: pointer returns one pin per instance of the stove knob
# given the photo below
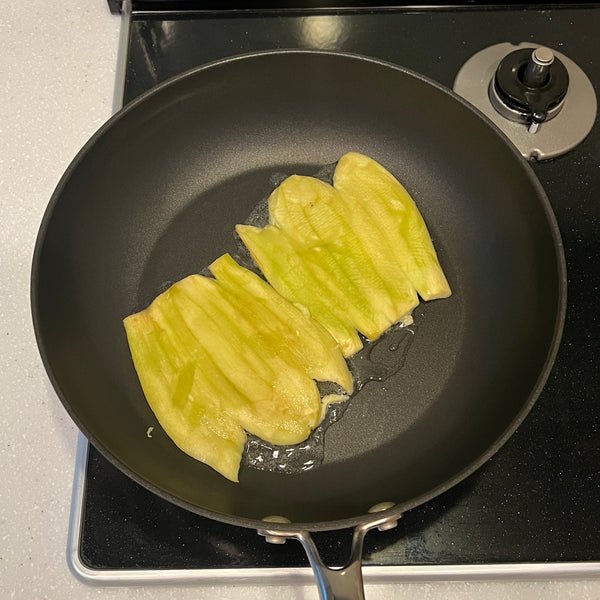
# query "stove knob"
(538, 67)
(529, 86)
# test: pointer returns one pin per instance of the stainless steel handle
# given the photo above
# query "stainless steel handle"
(343, 583)
(338, 584)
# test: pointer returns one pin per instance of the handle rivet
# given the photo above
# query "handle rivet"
(380, 508)
(271, 538)
(275, 539)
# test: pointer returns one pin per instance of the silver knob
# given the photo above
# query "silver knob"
(536, 71)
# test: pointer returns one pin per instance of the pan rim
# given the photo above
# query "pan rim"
(344, 523)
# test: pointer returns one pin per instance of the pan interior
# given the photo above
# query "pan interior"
(155, 197)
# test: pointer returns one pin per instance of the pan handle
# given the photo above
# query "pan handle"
(345, 583)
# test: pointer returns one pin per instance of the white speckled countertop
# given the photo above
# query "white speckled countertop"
(57, 62)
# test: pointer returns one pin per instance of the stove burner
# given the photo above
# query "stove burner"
(529, 86)
(519, 89)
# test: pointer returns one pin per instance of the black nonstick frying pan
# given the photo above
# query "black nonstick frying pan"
(155, 196)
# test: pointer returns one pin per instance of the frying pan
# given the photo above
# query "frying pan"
(154, 196)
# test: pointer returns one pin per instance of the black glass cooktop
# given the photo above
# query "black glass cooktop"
(538, 499)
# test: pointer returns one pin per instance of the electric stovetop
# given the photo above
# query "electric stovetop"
(534, 507)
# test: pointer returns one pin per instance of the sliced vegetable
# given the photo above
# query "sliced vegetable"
(219, 356)
(289, 270)
(355, 254)
(383, 201)
(308, 345)
(172, 380)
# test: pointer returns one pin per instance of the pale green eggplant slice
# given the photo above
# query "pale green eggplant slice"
(220, 357)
